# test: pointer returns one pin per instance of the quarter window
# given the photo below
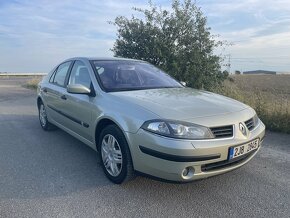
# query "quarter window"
(60, 74)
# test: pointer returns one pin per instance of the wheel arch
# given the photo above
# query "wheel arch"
(102, 123)
(39, 100)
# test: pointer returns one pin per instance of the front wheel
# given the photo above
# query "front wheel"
(115, 155)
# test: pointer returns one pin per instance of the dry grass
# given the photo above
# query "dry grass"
(33, 82)
(269, 95)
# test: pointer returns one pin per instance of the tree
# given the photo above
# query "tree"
(225, 74)
(178, 41)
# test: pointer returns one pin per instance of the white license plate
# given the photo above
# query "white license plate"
(243, 149)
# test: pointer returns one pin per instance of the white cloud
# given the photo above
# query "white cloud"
(35, 35)
(259, 29)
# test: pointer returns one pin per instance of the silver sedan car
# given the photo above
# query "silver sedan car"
(140, 119)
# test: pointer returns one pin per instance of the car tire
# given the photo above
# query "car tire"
(115, 155)
(42, 115)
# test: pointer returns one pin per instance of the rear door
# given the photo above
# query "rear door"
(55, 92)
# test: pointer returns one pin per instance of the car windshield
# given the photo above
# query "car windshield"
(132, 75)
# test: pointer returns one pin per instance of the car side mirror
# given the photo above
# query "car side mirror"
(78, 89)
(183, 83)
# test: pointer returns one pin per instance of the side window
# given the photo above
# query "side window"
(80, 75)
(52, 77)
(60, 74)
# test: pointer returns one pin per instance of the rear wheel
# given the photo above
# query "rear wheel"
(115, 155)
(44, 123)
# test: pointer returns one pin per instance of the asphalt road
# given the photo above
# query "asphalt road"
(51, 174)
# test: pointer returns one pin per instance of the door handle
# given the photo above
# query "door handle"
(44, 90)
(63, 97)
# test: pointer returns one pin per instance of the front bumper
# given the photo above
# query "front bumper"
(167, 158)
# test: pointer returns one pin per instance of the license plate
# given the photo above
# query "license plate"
(240, 150)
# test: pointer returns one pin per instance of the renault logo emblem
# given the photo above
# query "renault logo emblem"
(243, 129)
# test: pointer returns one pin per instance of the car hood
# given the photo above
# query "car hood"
(181, 103)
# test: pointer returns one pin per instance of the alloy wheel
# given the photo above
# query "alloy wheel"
(42, 115)
(111, 155)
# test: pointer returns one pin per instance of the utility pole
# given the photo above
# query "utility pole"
(229, 63)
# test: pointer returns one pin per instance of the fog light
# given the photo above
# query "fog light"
(187, 173)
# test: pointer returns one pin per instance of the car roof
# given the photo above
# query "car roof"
(102, 59)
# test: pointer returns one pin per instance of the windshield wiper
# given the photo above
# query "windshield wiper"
(141, 88)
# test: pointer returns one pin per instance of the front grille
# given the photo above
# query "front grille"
(226, 163)
(250, 124)
(222, 131)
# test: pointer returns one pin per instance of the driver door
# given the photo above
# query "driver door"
(78, 107)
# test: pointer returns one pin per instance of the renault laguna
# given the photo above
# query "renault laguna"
(140, 119)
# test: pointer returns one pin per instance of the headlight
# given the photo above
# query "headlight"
(177, 129)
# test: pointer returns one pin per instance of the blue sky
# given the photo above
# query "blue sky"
(37, 34)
